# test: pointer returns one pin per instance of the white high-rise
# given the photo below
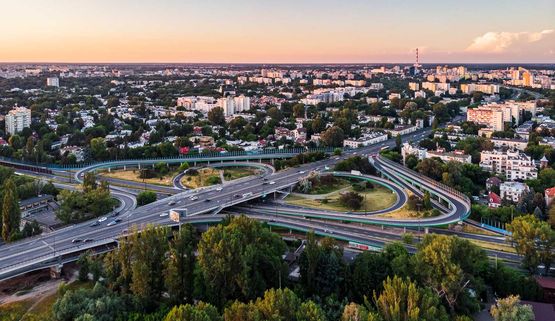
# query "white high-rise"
(53, 82)
(242, 103)
(17, 119)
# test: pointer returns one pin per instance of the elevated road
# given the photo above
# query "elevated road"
(22, 256)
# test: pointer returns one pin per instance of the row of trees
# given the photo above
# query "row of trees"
(237, 270)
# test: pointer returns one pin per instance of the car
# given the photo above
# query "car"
(237, 195)
(96, 223)
(265, 183)
(302, 172)
(112, 223)
(207, 200)
(117, 220)
(219, 189)
(272, 183)
(164, 214)
(194, 198)
(76, 241)
(87, 240)
(102, 219)
(171, 203)
(327, 167)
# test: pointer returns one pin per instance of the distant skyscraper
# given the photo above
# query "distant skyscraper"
(53, 82)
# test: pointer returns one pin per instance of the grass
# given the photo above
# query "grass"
(38, 308)
(326, 189)
(494, 246)
(133, 175)
(403, 213)
(467, 228)
(14, 311)
(231, 173)
(375, 199)
(205, 177)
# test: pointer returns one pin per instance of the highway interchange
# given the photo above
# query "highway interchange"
(204, 205)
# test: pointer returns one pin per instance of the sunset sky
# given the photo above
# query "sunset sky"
(272, 31)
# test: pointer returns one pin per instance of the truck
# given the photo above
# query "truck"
(358, 173)
(177, 213)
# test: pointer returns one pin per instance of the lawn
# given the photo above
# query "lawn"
(35, 308)
(231, 173)
(375, 199)
(133, 175)
(206, 177)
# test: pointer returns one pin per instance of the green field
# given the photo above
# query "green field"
(375, 199)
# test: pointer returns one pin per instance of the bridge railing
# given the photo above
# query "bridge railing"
(192, 156)
(430, 181)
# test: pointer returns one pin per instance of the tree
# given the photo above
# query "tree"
(534, 240)
(403, 300)
(148, 251)
(310, 311)
(146, 197)
(431, 167)
(239, 260)
(333, 137)
(216, 116)
(11, 214)
(368, 272)
(183, 167)
(426, 201)
(450, 265)
(354, 312)
(89, 182)
(510, 309)
(398, 143)
(351, 200)
(98, 149)
(199, 312)
(180, 266)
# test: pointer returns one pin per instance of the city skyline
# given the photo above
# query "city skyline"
(309, 31)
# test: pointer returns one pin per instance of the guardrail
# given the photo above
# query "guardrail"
(262, 152)
(464, 198)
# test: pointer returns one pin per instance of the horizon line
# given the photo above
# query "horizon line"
(266, 63)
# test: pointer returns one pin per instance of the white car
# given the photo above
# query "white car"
(302, 172)
(219, 189)
(102, 219)
(164, 214)
(194, 198)
(272, 183)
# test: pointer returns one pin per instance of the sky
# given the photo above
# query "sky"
(277, 31)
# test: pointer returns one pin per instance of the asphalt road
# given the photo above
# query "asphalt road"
(23, 255)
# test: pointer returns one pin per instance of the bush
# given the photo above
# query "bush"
(146, 197)
(351, 200)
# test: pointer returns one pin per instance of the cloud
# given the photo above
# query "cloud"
(497, 42)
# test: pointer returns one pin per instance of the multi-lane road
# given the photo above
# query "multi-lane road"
(202, 206)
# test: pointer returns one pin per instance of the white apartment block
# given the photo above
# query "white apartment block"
(455, 156)
(513, 164)
(512, 191)
(365, 140)
(53, 82)
(17, 119)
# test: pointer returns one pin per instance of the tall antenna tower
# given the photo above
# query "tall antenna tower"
(417, 63)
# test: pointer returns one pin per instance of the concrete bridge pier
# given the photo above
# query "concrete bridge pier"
(56, 271)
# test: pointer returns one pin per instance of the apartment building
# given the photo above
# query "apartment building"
(17, 119)
(513, 191)
(489, 89)
(486, 116)
(515, 165)
(365, 140)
